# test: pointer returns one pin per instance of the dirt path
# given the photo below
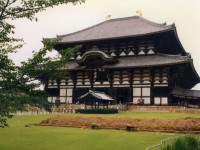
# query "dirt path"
(189, 125)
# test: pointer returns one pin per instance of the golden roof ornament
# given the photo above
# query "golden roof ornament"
(138, 13)
(108, 17)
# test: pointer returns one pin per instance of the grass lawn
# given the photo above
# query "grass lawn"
(19, 137)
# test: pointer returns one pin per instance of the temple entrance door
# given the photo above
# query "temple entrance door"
(122, 95)
(121, 100)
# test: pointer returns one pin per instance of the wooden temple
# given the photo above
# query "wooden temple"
(130, 59)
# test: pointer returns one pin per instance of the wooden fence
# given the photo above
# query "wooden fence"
(177, 109)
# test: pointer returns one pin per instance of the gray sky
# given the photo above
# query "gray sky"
(70, 18)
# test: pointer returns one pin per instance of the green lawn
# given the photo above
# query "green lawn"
(19, 137)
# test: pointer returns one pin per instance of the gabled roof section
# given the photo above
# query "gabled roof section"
(96, 95)
(116, 28)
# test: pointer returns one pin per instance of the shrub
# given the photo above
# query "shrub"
(97, 111)
(184, 143)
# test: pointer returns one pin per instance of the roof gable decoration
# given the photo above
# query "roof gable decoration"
(96, 58)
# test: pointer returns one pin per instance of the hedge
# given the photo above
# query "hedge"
(97, 111)
(183, 143)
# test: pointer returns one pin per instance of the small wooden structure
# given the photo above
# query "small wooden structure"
(95, 99)
(95, 126)
(186, 97)
(130, 127)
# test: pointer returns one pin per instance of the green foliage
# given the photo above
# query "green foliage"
(3, 122)
(18, 84)
(97, 111)
(15, 9)
(184, 143)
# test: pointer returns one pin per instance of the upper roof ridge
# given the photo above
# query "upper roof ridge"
(156, 24)
(142, 19)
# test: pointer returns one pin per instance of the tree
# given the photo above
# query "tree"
(17, 83)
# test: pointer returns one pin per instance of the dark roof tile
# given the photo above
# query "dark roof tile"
(116, 28)
(186, 93)
(148, 61)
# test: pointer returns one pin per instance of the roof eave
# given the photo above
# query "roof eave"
(177, 38)
(167, 64)
(195, 72)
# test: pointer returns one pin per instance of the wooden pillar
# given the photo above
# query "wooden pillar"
(110, 78)
(92, 104)
(85, 105)
(95, 104)
(199, 103)
(151, 88)
(130, 96)
(156, 45)
(90, 73)
(130, 76)
(120, 77)
(160, 101)
(169, 77)
(117, 51)
(58, 83)
(136, 47)
(73, 77)
(83, 77)
(92, 79)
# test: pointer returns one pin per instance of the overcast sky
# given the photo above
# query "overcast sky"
(70, 18)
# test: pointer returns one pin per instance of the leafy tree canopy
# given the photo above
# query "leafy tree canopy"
(18, 83)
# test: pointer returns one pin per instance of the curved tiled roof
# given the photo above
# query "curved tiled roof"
(139, 61)
(116, 28)
(148, 61)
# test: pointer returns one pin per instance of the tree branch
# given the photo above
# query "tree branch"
(4, 8)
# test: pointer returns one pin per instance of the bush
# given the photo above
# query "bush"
(184, 143)
(97, 111)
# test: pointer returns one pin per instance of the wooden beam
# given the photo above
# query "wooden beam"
(110, 78)
(130, 76)
(90, 73)
(152, 73)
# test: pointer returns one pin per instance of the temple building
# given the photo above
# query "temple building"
(130, 59)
